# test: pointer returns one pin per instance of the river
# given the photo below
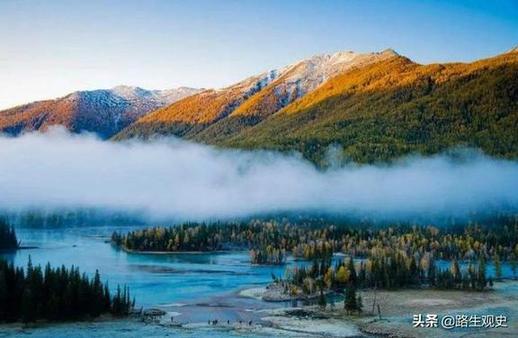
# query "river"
(194, 287)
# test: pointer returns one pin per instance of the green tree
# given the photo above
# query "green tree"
(359, 304)
(498, 267)
(350, 302)
(481, 276)
(322, 302)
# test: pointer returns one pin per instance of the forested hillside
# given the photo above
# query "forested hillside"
(398, 107)
(374, 111)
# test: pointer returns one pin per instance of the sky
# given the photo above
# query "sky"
(51, 48)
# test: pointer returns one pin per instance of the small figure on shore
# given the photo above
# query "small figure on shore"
(228, 322)
(250, 323)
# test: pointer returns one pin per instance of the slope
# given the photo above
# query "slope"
(217, 114)
(396, 107)
(104, 111)
(187, 117)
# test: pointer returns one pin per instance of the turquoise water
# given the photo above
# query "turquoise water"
(196, 287)
(154, 279)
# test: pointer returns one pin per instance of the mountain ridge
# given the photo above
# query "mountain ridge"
(102, 111)
(370, 106)
(398, 107)
(374, 112)
(272, 90)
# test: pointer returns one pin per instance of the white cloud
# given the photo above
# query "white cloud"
(169, 178)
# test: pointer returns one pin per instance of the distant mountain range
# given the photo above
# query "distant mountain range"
(215, 115)
(104, 111)
(372, 106)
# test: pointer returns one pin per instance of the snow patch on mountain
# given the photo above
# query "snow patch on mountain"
(306, 75)
(292, 82)
(102, 111)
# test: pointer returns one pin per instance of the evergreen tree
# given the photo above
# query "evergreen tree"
(359, 304)
(322, 302)
(481, 277)
(350, 302)
(352, 272)
(55, 294)
(498, 266)
(8, 239)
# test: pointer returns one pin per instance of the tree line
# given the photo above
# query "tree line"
(8, 239)
(382, 271)
(268, 255)
(320, 239)
(56, 294)
(391, 271)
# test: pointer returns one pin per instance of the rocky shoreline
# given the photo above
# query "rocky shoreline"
(397, 310)
(275, 292)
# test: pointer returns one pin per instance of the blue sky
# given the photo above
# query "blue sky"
(50, 48)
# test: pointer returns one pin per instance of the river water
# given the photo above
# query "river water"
(193, 287)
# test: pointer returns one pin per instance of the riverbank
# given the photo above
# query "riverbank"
(196, 288)
(397, 309)
(241, 313)
(275, 292)
(144, 252)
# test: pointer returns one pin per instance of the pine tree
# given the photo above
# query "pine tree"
(8, 240)
(28, 307)
(322, 302)
(481, 278)
(4, 296)
(359, 304)
(55, 294)
(350, 304)
(352, 272)
(455, 271)
(498, 267)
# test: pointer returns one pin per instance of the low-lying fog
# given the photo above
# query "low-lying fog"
(171, 178)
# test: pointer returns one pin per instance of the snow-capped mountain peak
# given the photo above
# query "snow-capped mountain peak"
(302, 77)
(103, 111)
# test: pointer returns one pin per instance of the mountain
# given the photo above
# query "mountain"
(191, 115)
(396, 107)
(378, 109)
(104, 111)
(216, 114)
(364, 107)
